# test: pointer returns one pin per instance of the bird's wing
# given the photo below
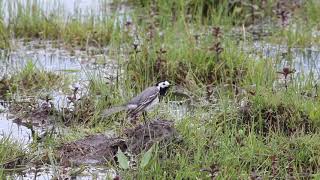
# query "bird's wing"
(150, 91)
(143, 99)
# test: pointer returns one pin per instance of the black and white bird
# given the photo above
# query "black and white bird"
(143, 102)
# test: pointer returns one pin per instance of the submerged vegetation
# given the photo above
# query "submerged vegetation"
(251, 115)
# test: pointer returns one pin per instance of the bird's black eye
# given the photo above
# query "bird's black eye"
(164, 84)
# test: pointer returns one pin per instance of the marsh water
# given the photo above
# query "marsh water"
(81, 67)
(71, 8)
(304, 60)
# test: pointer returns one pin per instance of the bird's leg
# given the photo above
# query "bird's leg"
(144, 114)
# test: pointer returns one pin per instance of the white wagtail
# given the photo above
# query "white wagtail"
(143, 102)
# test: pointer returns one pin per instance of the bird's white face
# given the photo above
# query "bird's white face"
(164, 84)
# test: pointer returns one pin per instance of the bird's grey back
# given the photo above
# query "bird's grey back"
(150, 91)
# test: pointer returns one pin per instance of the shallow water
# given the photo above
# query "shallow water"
(48, 173)
(19, 134)
(306, 61)
(56, 59)
(70, 8)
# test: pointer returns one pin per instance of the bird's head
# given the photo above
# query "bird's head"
(163, 87)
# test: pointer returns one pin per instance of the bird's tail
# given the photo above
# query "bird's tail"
(110, 111)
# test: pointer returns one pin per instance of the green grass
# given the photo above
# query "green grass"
(10, 153)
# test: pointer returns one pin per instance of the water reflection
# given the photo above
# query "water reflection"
(20, 134)
(306, 61)
(47, 58)
(67, 8)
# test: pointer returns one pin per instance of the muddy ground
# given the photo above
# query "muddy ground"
(100, 149)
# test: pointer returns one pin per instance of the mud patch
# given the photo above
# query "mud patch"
(99, 149)
(95, 149)
(144, 136)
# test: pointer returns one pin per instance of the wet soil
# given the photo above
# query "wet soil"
(142, 137)
(94, 149)
(99, 149)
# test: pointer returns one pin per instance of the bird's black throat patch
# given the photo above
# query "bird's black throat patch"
(163, 91)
